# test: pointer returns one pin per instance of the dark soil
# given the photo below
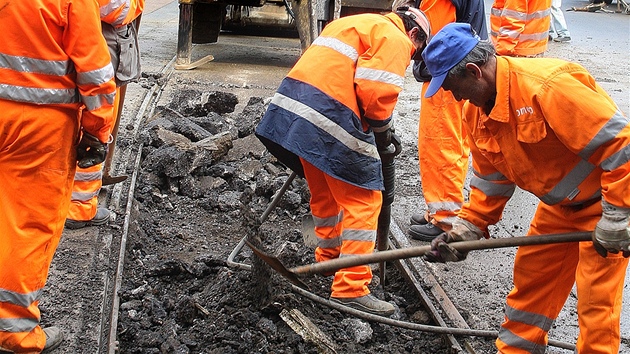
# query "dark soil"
(180, 293)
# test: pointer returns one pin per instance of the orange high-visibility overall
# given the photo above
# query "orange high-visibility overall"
(520, 27)
(442, 148)
(88, 181)
(48, 77)
(555, 133)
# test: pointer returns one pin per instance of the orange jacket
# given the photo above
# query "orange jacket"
(520, 27)
(553, 132)
(66, 62)
(344, 86)
(119, 13)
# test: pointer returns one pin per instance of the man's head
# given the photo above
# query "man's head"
(417, 27)
(456, 58)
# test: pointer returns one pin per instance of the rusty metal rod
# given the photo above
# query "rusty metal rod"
(463, 246)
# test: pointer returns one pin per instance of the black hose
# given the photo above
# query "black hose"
(410, 325)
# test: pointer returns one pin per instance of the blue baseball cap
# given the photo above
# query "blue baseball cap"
(445, 50)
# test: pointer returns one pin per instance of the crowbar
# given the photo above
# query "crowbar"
(390, 255)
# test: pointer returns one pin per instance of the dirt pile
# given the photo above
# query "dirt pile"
(205, 181)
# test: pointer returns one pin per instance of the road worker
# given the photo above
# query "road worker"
(442, 148)
(55, 68)
(520, 27)
(328, 121)
(545, 126)
(119, 30)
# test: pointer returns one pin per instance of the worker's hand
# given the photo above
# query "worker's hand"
(611, 233)
(442, 252)
(90, 151)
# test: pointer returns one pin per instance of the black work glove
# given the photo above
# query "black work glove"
(612, 233)
(90, 151)
(383, 139)
(441, 252)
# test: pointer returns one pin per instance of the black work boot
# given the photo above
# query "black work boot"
(426, 232)
(367, 303)
(54, 337)
(418, 219)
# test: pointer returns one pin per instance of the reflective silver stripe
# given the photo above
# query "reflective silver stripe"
(515, 341)
(88, 176)
(383, 76)
(533, 319)
(519, 15)
(337, 45)
(328, 221)
(359, 235)
(492, 189)
(383, 128)
(83, 197)
(523, 36)
(329, 243)
(434, 207)
(24, 300)
(449, 220)
(38, 95)
(567, 187)
(496, 176)
(40, 66)
(325, 124)
(98, 101)
(617, 159)
(96, 77)
(16, 325)
(608, 132)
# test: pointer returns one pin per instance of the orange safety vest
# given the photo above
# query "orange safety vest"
(120, 12)
(520, 27)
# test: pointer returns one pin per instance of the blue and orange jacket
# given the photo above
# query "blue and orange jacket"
(343, 88)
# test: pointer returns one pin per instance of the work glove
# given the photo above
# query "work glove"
(90, 151)
(611, 233)
(442, 252)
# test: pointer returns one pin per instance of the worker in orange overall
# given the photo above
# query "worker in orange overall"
(55, 68)
(545, 126)
(119, 30)
(520, 27)
(442, 148)
(328, 121)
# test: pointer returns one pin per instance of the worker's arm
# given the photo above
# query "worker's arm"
(86, 47)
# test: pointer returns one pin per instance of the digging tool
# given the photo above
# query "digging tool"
(275, 263)
(384, 218)
(122, 90)
(107, 179)
(383, 256)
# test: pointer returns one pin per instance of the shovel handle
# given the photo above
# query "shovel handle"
(462, 246)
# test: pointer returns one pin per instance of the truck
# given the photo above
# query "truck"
(201, 21)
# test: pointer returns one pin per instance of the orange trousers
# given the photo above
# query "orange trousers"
(543, 279)
(346, 218)
(37, 161)
(443, 155)
(87, 184)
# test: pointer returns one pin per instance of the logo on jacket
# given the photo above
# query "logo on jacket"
(524, 110)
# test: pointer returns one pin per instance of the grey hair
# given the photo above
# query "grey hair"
(480, 54)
